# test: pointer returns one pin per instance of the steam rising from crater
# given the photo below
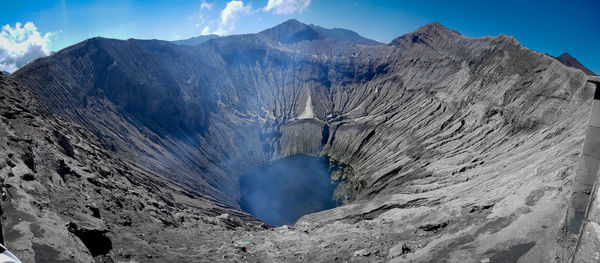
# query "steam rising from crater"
(281, 192)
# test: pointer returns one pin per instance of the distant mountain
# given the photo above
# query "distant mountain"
(298, 31)
(569, 61)
(293, 31)
(194, 41)
(431, 35)
(341, 34)
(4, 72)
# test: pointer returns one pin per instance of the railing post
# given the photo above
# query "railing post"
(585, 182)
(588, 166)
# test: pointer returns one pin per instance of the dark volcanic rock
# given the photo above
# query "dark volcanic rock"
(64, 143)
(94, 239)
(427, 126)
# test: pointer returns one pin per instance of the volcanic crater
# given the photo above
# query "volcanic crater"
(434, 146)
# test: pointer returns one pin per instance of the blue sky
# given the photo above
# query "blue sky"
(548, 26)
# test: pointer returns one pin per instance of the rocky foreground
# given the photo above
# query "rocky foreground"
(457, 149)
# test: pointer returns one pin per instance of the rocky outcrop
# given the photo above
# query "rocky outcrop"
(457, 148)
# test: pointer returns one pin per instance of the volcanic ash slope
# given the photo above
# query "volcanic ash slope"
(461, 149)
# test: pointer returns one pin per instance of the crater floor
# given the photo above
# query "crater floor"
(280, 192)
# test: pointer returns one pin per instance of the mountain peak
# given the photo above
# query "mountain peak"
(292, 22)
(569, 61)
(291, 31)
(429, 34)
(291, 25)
(566, 55)
(436, 29)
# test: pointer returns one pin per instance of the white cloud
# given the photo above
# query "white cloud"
(206, 5)
(206, 30)
(21, 44)
(230, 15)
(284, 7)
(199, 14)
